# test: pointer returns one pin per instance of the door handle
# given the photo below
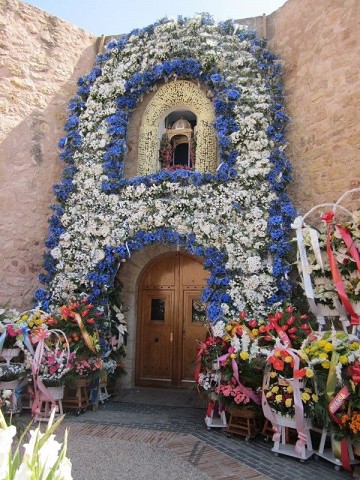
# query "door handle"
(171, 337)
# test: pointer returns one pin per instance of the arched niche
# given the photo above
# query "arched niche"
(177, 140)
(177, 95)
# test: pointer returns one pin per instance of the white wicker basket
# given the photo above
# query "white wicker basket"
(10, 385)
(56, 392)
(287, 421)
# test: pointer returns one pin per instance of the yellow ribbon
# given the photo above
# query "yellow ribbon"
(89, 342)
(331, 380)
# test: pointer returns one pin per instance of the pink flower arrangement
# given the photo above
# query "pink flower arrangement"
(85, 367)
(233, 391)
(54, 365)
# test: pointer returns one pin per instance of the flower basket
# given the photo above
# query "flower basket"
(287, 421)
(57, 393)
(10, 385)
(9, 353)
(82, 382)
(74, 382)
(243, 411)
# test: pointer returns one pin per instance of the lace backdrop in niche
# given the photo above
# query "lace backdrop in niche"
(179, 118)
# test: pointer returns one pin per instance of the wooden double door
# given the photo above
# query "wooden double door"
(171, 320)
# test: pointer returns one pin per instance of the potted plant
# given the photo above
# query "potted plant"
(230, 367)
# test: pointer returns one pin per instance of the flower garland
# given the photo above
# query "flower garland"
(231, 218)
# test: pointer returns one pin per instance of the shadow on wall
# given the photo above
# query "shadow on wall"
(29, 168)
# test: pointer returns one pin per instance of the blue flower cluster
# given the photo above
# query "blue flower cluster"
(281, 210)
(102, 279)
(68, 146)
(225, 100)
(281, 215)
(72, 141)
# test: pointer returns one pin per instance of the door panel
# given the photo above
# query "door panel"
(162, 274)
(170, 320)
(192, 273)
(156, 338)
(194, 330)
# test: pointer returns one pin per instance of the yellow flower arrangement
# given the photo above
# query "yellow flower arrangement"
(280, 396)
(319, 349)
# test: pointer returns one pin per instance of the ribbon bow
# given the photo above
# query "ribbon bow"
(247, 391)
(339, 285)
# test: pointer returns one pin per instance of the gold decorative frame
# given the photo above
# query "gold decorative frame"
(181, 94)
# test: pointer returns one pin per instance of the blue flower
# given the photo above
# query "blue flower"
(233, 94)
(214, 312)
(225, 96)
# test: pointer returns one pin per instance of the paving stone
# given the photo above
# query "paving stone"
(184, 433)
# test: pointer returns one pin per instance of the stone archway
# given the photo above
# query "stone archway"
(129, 276)
(171, 320)
(181, 94)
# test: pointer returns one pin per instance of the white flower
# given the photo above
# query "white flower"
(56, 253)
(253, 264)
(6, 394)
(48, 454)
(95, 220)
(236, 343)
(63, 471)
(218, 329)
(24, 472)
(6, 437)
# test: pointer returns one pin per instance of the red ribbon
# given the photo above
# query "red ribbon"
(337, 402)
(349, 242)
(210, 408)
(202, 349)
(39, 387)
(339, 285)
(281, 334)
(354, 372)
(333, 407)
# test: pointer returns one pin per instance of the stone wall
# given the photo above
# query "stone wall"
(41, 58)
(319, 43)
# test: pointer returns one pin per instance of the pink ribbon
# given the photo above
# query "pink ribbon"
(40, 391)
(39, 338)
(245, 390)
(298, 406)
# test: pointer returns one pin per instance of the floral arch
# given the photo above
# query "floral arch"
(237, 218)
(181, 94)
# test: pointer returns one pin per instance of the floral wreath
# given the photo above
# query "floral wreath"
(101, 217)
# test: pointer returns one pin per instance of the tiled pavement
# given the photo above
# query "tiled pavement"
(182, 430)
